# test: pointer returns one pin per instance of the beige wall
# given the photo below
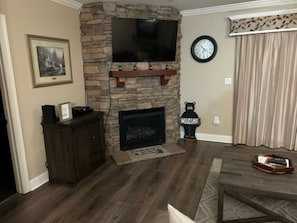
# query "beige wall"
(204, 82)
(44, 18)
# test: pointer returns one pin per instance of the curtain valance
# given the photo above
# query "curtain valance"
(276, 21)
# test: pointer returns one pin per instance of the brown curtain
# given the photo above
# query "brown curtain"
(265, 111)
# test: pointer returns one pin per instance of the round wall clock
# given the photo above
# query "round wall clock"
(204, 49)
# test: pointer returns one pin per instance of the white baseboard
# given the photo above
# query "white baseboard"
(39, 180)
(214, 138)
(210, 137)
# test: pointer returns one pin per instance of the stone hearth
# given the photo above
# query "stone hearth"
(102, 92)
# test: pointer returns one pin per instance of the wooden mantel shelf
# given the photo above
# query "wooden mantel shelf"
(122, 75)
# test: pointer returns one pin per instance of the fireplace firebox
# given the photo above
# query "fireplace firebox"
(143, 127)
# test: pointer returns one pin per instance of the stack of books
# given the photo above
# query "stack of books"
(272, 163)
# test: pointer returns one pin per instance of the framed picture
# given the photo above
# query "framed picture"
(50, 60)
(65, 111)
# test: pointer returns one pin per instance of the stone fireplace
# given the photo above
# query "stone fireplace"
(139, 91)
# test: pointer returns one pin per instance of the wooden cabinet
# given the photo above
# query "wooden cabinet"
(74, 148)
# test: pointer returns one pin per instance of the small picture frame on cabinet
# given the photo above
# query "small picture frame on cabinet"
(65, 111)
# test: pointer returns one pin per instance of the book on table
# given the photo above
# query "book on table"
(272, 163)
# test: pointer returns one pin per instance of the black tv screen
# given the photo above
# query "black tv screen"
(139, 40)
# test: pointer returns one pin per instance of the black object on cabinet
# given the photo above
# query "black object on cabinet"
(48, 113)
(74, 148)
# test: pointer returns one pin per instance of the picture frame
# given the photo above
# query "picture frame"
(50, 60)
(65, 111)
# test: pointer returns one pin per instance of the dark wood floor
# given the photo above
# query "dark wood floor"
(130, 193)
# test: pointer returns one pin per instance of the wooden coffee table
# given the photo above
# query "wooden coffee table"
(238, 178)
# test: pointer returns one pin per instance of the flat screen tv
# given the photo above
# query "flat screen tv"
(140, 40)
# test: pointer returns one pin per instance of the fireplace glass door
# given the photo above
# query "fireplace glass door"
(140, 128)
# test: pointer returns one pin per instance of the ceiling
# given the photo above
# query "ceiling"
(178, 4)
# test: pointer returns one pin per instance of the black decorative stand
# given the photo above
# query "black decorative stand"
(190, 121)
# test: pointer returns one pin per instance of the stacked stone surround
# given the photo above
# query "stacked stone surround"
(102, 93)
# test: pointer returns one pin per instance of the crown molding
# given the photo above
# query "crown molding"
(69, 3)
(237, 6)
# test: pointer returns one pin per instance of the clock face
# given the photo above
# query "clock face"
(204, 49)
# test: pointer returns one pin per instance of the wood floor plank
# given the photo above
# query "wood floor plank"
(132, 193)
